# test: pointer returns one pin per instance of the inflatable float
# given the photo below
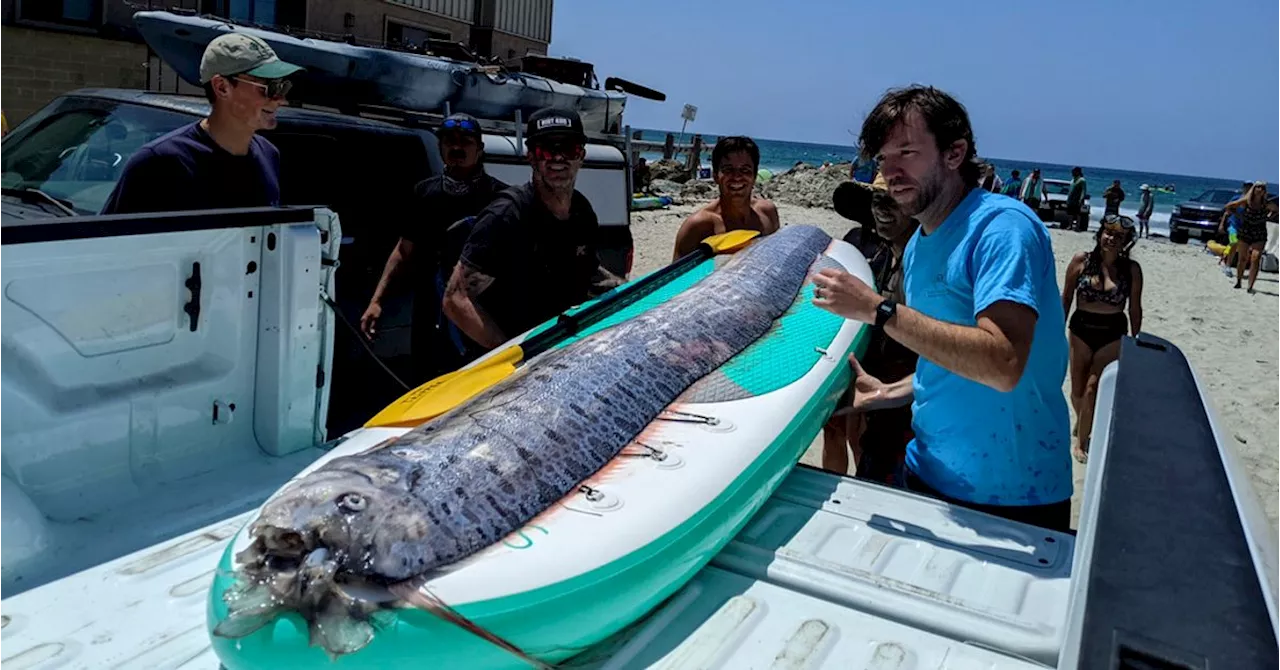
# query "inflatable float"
(642, 202)
(634, 532)
(339, 74)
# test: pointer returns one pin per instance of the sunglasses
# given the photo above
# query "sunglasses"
(568, 150)
(274, 88)
(460, 124)
(1123, 222)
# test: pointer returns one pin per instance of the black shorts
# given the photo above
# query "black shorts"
(1053, 516)
(1098, 330)
(884, 445)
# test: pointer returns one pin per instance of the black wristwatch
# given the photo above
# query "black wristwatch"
(885, 311)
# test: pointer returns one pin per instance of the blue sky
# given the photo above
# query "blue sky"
(1177, 87)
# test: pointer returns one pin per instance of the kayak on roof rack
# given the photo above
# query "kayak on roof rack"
(344, 75)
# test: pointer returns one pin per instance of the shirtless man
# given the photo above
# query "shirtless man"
(734, 163)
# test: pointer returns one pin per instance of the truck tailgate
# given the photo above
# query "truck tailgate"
(830, 573)
(143, 610)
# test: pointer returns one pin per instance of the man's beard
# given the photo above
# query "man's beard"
(927, 191)
(454, 186)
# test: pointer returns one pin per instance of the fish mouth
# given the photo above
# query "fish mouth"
(283, 571)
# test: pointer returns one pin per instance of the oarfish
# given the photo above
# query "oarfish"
(467, 479)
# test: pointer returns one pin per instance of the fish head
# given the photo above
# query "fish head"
(364, 518)
(349, 524)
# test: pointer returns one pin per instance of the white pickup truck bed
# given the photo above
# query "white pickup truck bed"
(828, 574)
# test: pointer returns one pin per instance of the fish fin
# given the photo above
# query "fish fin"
(415, 592)
(240, 624)
(337, 632)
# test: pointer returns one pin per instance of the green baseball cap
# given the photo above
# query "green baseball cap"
(238, 53)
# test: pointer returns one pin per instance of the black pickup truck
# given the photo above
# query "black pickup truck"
(65, 159)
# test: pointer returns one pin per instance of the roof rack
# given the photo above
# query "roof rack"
(431, 120)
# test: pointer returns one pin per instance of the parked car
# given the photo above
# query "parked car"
(66, 158)
(1200, 216)
(1053, 207)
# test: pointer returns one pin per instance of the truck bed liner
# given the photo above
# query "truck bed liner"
(829, 574)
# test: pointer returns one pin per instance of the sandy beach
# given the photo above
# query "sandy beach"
(1228, 335)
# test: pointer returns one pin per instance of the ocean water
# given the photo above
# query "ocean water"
(778, 156)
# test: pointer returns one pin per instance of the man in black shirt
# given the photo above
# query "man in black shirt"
(878, 439)
(433, 240)
(531, 254)
(219, 161)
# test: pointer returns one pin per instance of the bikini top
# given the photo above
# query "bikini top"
(1089, 285)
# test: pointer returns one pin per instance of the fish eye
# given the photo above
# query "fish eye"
(352, 502)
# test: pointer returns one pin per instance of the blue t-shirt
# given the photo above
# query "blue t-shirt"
(186, 170)
(972, 442)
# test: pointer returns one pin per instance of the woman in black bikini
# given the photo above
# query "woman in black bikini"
(1251, 211)
(1104, 280)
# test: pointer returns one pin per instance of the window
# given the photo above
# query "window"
(77, 151)
(399, 34)
(262, 12)
(80, 13)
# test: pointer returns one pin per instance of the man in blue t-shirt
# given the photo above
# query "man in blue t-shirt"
(991, 426)
(219, 161)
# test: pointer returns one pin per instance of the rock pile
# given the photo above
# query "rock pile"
(669, 170)
(806, 185)
(803, 185)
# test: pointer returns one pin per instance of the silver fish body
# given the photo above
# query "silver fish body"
(466, 480)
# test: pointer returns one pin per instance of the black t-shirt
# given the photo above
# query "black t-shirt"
(886, 358)
(439, 205)
(187, 170)
(540, 265)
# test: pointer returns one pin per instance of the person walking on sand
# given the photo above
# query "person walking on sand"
(992, 428)
(531, 253)
(990, 180)
(1014, 186)
(1252, 213)
(1102, 281)
(1114, 195)
(1145, 208)
(1077, 218)
(878, 439)
(427, 244)
(1032, 191)
(735, 162)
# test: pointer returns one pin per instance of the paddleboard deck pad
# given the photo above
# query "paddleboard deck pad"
(625, 536)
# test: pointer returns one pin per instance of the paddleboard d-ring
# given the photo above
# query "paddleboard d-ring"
(709, 423)
(592, 499)
(664, 458)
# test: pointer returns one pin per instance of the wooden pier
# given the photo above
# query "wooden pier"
(670, 149)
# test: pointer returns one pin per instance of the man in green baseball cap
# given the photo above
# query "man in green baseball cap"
(219, 161)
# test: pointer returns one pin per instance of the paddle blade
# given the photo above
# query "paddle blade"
(731, 241)
(447, 391)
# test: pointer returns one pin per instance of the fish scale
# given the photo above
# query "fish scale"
(493, 463)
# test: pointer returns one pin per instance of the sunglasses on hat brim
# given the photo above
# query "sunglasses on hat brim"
(1117, 221)
(464, 125)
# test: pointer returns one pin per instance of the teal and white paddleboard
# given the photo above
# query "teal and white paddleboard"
(641, 527)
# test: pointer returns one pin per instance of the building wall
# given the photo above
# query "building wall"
(530, 19)
(459, 10)
(39, 65)
(510, 46)
(371, 16)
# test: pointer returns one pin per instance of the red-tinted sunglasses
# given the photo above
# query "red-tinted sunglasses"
(568, 150)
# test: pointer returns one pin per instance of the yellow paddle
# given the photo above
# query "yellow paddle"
(450, 390)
